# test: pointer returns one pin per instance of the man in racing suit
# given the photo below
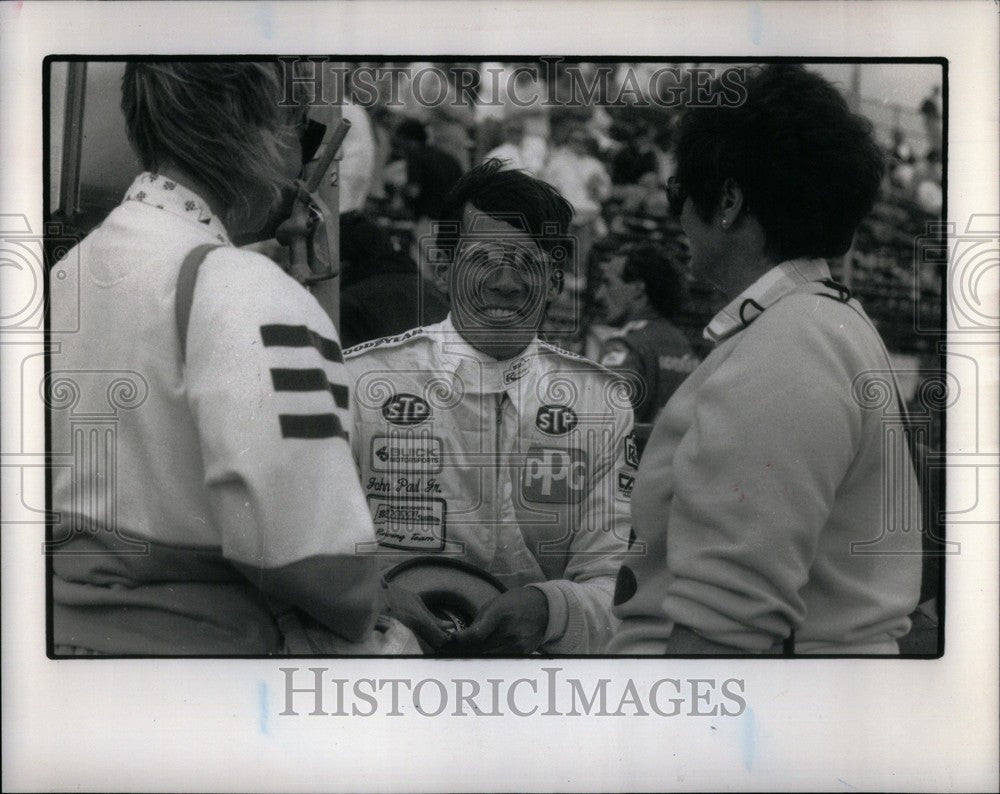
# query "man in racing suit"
(641, 290)
(479, 442)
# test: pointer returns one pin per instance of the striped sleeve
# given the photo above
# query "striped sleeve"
(269, 391)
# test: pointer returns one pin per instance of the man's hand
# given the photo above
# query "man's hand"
(512, 623)
(410, 610)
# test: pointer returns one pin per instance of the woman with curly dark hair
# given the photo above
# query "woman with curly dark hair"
(770, 512)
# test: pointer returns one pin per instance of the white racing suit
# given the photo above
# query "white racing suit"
(522, 467)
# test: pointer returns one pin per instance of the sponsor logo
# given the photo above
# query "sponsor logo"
(626, 482)
(406, 409)
(515, 371)
(556, 420)
(385, 340)
(406, 454)
(631, 451)
(411, 523)
(554, 475)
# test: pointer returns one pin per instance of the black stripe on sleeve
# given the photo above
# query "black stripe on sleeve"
(308, 380)
(339, 392)
(311, 426)
(300, 336)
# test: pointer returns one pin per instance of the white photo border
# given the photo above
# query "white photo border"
(218, 724)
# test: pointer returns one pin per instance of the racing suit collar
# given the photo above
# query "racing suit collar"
(480, 373)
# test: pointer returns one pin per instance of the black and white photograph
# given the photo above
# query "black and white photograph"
(587, 387)
(531, 402)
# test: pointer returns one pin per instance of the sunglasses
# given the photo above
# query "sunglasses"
(676, 196)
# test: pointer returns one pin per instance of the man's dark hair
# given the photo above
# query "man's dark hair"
(504, 193)
(809, 168)
(666, 286)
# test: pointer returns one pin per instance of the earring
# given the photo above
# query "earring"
(725, 224)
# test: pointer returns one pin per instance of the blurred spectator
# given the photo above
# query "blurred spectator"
(431, 172)
(930, 109)
(517, 150)
(582, 179)
(382, 292)
(902, 152)
(927, 181)
(642, 291)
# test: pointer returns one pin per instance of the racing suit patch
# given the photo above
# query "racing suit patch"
(554, 476)
(625, 482)
(405, 453)
(412, 524)
(631, 450)
(556, 420)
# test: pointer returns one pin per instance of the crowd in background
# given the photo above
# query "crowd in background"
(611, 162)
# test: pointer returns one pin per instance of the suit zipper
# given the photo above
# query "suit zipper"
(496, 456)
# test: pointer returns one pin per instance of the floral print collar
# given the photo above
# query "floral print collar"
(171, 196)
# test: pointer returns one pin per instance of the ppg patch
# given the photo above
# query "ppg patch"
(412, 524)
(556, 420)
(632, 450)
(625, 484)
(554, 476)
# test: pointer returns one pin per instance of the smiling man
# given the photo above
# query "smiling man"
(479, 442)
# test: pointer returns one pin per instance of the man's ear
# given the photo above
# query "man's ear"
(556, 281)
(441, 270)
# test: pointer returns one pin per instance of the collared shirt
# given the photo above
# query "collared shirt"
(236, 452)
(765, 291)
(170, 196)
(762, 496)
(521, 467)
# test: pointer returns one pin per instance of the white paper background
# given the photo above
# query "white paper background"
(214, 725)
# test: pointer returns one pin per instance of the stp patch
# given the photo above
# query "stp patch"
(556, 420)
(554, 476)
(413, 524)
(406, 409)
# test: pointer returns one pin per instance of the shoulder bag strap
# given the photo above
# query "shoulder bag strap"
(186, 280)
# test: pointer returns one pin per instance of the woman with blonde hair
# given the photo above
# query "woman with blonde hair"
(230, 522)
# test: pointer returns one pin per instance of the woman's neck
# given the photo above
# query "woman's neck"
(196, 186)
